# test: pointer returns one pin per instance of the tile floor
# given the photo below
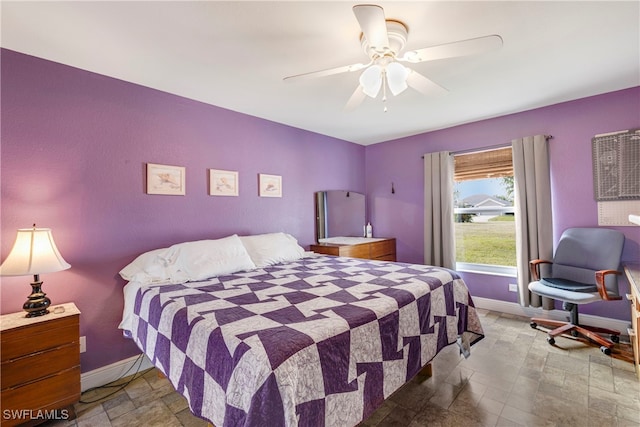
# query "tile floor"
(513, 378)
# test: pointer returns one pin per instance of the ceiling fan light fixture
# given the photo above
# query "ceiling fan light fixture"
(371, 80)
(397, 77)
(383, 41)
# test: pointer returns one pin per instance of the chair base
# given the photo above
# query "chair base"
(589, 332)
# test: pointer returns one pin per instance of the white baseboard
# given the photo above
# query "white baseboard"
(106, 374)
(518, 310)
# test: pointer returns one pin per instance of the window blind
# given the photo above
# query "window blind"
(483, 164)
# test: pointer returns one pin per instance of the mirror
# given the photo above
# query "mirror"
(339, 213)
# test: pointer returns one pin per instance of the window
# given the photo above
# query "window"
(484, 212)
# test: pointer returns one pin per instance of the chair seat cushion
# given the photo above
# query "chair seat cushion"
(569, 285)
(544, 290)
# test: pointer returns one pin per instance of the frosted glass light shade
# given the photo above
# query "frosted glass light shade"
(34, 252)
(397, 77)
(371, 80)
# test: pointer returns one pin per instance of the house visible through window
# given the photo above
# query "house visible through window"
(484, 212)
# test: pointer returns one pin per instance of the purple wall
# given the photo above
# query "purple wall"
(572, 125)
(74, 148)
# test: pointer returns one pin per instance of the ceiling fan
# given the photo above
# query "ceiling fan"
(383, 40)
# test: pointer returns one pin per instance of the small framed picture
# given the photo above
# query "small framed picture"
(270, 185)
(223, 183)
(165, 179)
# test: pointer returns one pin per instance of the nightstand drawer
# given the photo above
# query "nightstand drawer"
(36, 366)
(56, 391)
(40, 337)
(40, 364)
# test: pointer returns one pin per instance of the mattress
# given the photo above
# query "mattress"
(321, 341)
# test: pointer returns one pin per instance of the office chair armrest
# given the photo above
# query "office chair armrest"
(534, 267)
(602, 290)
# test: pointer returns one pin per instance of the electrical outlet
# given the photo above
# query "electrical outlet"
(513, 287)
(83, 344)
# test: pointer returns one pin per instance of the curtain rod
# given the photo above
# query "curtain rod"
(487, 148)
(478, 150)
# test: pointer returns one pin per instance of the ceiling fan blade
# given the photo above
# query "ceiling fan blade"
(423, 85)
(355, 100)
(327, 72)
(455, 49)
(373, 24)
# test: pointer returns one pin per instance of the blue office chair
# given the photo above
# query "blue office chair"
(584, 270)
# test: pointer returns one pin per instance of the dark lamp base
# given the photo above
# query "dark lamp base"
(37, 303)
(36, 313)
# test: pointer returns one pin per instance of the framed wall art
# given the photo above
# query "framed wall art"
(165, 179)
(270, 185)
(223, 183)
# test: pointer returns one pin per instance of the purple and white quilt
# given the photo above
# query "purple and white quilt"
(321, 341)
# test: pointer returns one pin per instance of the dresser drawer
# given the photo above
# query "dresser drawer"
(355, 251)
(384, 249)
(36, 366)
(326, 249)
(17, 342)
(56, 391)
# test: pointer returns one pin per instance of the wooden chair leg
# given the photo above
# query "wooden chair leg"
(548, 322)
(589, 332)
(600, 330)
(595, 337)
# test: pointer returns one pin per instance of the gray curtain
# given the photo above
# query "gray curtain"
(439, 237)
(534, 232)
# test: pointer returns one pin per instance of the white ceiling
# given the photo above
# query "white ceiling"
(235, 55)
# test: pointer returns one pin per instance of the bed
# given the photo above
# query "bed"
(281, 337)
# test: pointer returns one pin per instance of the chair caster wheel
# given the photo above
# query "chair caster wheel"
(533, 325)
(551, 340)
(605, 350)
(615, 338)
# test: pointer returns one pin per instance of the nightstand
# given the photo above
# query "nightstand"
(40, 372)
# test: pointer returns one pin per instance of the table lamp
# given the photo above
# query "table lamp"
(34, 252)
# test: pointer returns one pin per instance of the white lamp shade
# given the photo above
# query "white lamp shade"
(371, 80)
(34, 252)
(397, 77)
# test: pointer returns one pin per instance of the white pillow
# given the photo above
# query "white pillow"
(202, 259)
(146, 268)
(272, 248)
(194, 261)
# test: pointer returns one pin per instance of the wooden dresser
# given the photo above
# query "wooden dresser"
(40, 372)
(632, 272)
(379, 249)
